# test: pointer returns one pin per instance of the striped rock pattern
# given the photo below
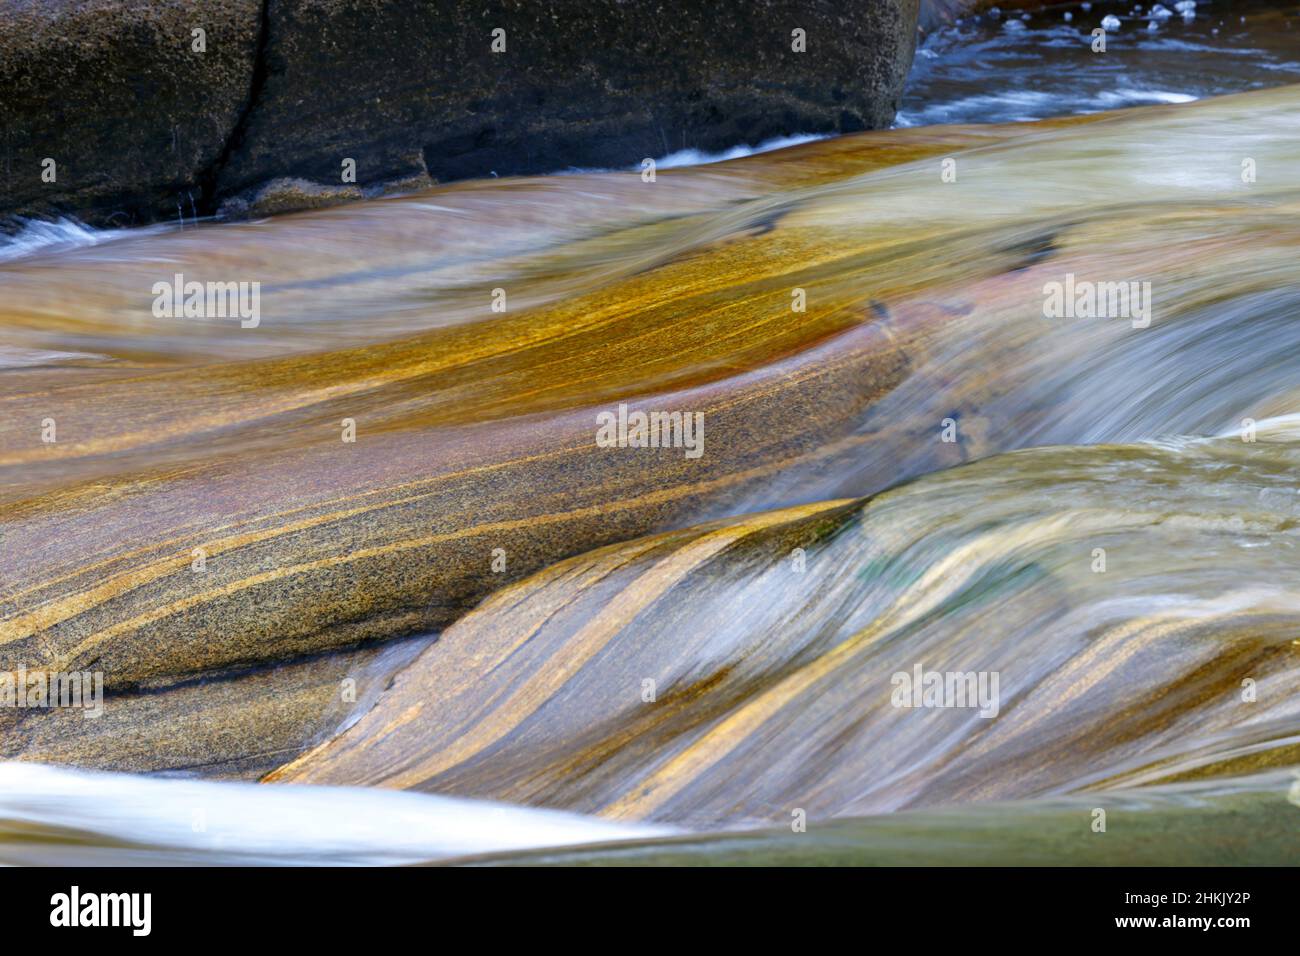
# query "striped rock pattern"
(476, 430)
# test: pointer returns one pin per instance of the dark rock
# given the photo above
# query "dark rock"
(114, 92)
(143, 128)
(580, 83)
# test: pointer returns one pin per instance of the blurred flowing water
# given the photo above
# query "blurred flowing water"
(1015, 65)
(1164, 683)
(52, 816)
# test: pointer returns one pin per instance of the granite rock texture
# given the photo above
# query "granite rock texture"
(142, 127)
(135, 116)
(403, 88)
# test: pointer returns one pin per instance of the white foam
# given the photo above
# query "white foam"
(168, 821)
(37, 235)
(696, 157)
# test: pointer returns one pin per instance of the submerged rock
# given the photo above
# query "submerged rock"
(1240, 821)
(295, 195)
(287, 195)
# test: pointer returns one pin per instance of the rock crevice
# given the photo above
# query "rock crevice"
(209, 178)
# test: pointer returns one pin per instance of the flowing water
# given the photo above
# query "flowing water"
(1016, 65)
(1121, 594)
(1094, 515)
(56, 816)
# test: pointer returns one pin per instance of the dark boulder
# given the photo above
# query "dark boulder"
(143, 128)
(134, 117)
(403, 88)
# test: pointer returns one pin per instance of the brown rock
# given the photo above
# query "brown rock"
(289, 195)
